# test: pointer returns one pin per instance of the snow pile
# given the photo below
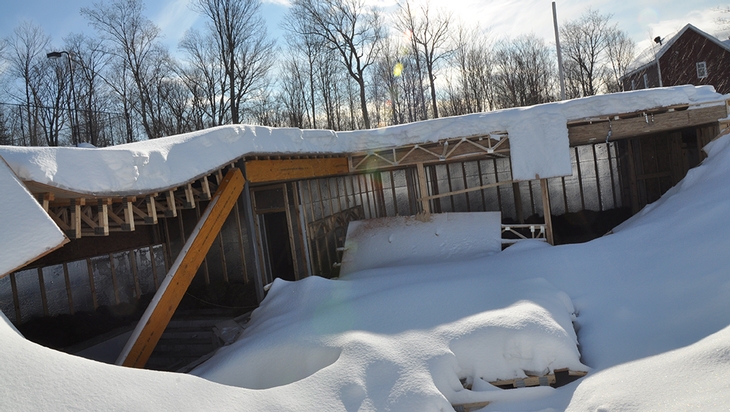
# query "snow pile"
(27, 230)
(538, 143)
(696, 377)
(411, 240)
(401, 340)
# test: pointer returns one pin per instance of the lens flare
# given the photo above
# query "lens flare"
(398, 69)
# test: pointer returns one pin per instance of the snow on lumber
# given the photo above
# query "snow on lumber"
(403, 330)
(538, 141)
(26, 230)
(410, 240)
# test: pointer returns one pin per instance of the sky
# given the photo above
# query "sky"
(642, 19)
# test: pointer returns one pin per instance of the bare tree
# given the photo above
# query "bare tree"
(473, 59)
(241, 47)
(25, 50)
(620, 52)
(348, 27)
(134, 40)
(524, 72)
(583, 43)
(429, 38)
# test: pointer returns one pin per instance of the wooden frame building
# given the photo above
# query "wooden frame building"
(291, 216)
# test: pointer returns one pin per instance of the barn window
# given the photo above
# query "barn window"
(701, 70)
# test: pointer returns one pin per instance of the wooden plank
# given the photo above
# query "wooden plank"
(68, 289)
(165, 302)
(16, 299)
(423, 188)
(103, 217)
(547, 211)
(258, 171)
(92, 285)
(42, 283)
(653, 123)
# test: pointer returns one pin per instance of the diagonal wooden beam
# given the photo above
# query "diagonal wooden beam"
(158, 314)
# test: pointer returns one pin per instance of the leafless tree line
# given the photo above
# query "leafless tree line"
(342, 65)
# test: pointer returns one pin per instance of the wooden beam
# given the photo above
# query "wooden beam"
(598, 131)
(258, 171)
(158, 314)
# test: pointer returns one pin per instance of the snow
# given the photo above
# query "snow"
(387, 242)
(22, 241)
(649, 302)
(538, 144)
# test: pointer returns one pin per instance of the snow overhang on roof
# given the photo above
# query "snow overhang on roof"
(538, 137)
(27, 230)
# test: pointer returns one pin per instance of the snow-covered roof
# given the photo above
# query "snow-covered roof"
(539, 146)
(26, 230)
(649, 56)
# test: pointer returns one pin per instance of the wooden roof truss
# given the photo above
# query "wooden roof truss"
(494, 144)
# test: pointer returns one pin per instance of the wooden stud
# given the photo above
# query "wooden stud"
(42, 283)
(165, 302)
(301, 221)
(102, 216)
(189, 199)
(547, 211)
(598, 177)
(423, 188)
(115, 284)
(497, 184)
(241, 249)
(16, 299)
(206, 272)
(151, 217)
(610, 171)
(154, 265)
(47, 198)
(224, 267)
(135, 274)
(75, 219)
(518, 202)
(171, 209)
(632, 179)
(292, 244)
(128, 224)
(92, 284)
(466, 186)
(580, 180)
(205, 187)
(68, 289)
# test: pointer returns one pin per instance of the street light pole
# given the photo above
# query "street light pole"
(75, 115)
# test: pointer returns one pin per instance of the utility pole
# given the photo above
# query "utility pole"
(560, 54)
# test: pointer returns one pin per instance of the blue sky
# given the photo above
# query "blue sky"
(642, 19)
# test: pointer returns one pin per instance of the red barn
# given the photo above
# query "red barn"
(689, 57)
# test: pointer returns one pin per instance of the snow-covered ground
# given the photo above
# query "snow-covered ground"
(651, 305)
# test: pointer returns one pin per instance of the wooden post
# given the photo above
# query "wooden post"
(546, 211)
(158, 314)
(423, 187)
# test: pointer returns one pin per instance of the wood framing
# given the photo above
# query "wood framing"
(620, 126)
(494, 144)
(279, 170)
(168, 296)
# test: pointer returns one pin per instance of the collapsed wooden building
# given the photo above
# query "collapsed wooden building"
(287, 213)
